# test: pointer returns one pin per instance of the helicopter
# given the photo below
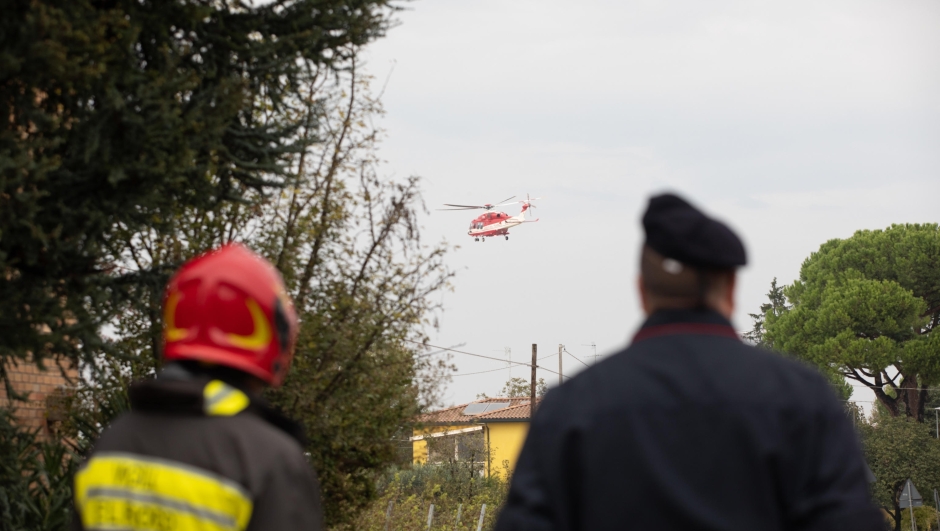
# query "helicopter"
(495, 223)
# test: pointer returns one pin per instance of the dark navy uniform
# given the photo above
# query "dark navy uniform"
(688, 428)
(197, 454)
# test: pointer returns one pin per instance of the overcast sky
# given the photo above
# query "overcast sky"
(795, 122)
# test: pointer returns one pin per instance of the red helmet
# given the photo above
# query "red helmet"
(229, 307)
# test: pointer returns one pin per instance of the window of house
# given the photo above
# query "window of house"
(461, 449)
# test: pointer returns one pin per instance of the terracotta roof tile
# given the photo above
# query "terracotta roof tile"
(518, 409)
(520, 412)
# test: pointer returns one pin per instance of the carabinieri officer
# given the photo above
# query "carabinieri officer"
(689, 428)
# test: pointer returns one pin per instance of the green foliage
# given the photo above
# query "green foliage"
(776, 305)
(865, 307)
(347, 243)
(142, 133)
(118, 114)
(447, 486)
(925, 517)
(36, 471)
(35, 479)
(898, 448)
(349, 246)
(520, 388)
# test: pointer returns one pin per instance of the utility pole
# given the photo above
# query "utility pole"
(560, 348)
(508, 352)
(910, 500)
(532, 383)
(509, 360)
(594, 346)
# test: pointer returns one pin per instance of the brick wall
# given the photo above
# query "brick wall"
(46, 390)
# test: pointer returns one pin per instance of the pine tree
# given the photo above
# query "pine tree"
(118, 114)
(777, 304)
(867, 307)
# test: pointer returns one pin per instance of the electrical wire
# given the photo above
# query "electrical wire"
(439, 351)
(480, 372)
(445, 349)
(565, 350)
(872, 386)
(537, 366)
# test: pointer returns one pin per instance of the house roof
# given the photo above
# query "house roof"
(517, 409)
(518, 412)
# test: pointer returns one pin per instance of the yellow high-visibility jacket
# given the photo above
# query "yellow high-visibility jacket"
(197, 454)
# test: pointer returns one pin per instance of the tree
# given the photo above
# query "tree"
(776, 305)
(116, 114)
(898, 448)
(143, 133)
(348, 244)
(520, 388)
(865, 307)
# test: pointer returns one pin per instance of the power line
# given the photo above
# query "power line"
(872, 386)
(480, 372)
(575, 357)
(476, 356)
(445, 349)
(438, 351)
(592, 345)
(442, 349)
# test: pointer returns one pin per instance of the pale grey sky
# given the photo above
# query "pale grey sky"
(795, 122)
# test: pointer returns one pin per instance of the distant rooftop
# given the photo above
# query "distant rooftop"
(482, 407)
(480, 411)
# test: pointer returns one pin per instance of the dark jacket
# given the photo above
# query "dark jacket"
(688, 428)
(196, 453)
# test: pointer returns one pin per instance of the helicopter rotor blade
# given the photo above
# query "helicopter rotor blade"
(465, 206)
(473, 208)
(503, 201)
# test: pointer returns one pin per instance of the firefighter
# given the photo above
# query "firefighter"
(688, 427)
(200, 449)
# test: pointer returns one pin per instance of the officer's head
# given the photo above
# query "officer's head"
(688, 260)
(228, 309)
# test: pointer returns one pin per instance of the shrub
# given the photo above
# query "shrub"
(450, 486)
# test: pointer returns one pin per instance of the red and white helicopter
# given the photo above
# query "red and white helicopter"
(492, 224)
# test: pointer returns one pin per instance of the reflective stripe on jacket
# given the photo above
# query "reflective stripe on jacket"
(193, 455)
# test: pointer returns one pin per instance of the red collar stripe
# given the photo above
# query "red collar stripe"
(672, 329)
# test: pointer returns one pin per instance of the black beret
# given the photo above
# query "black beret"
(678, 230)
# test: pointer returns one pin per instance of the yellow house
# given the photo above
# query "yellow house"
(489, 431)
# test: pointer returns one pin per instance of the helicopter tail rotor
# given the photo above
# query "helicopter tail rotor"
(528, 204)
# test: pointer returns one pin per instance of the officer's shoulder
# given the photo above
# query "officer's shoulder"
(778, 361)
(740, 365)
(780, 379)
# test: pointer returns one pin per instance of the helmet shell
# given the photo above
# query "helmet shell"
(229, 307)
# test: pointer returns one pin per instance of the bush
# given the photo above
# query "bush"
(449, 486)
(925, 517)
(35, 479)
